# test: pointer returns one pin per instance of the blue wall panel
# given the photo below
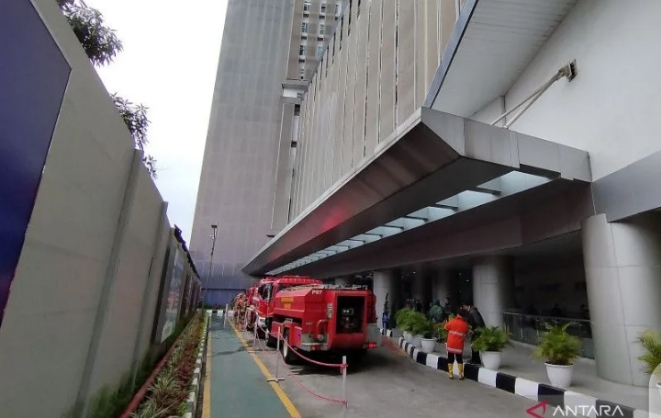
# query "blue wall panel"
(33, 78)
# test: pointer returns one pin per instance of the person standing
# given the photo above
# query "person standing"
(447, 309)
(239, 311)
(436, 312)
(475, 320)
(457, 329)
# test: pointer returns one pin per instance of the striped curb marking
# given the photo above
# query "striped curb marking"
(535, 391)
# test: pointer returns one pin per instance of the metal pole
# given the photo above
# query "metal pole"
(344, 385)
(276, 379)
(254, 335)
(210, 272)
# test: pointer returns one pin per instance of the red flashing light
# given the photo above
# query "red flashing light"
(371, 345)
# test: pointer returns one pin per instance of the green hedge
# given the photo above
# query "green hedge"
(111, 403)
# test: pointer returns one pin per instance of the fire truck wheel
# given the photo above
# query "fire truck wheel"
(271, 342)
(287, 354)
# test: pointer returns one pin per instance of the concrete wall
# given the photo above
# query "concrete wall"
(588, 112)
(373, 77)
(122, 318)
(82, 303)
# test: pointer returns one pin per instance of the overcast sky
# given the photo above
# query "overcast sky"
(169, 64)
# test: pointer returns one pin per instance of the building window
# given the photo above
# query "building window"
(337, 9)
(301, 72)
(323, 8)
(306, 6)
(322, 29)
(302, 50)
(320, 51)
(304, 27)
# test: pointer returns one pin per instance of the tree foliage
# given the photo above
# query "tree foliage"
(136, 120)
(102, 45)
(150, 163)
(99, 41)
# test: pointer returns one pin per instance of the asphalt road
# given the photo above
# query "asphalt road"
(388, 384)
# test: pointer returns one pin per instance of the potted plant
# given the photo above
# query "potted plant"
(490, 342)
(440, 332)
(441, 336)
(652, 356)
(403, 318)
(559, 349)
(427, 340)
(419, 327)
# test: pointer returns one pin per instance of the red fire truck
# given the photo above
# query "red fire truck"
(251, 314)
(324, 318)
(263, 299)
(256, 303)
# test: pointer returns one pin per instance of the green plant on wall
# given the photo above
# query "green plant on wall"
(557, 347)
(490, 339)
(111, 403)
(651, 358)
(101, 44)
(170, 390)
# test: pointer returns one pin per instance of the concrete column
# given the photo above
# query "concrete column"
(493, 287)
(417, 286)
(384, 284)
(623, 277)
(440, 286)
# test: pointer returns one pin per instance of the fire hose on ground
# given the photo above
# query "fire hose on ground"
(343, 366)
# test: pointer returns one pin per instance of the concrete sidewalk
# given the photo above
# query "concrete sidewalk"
(237, 380)
(518, 361)
(519, 367)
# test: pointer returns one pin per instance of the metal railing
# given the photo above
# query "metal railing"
(528, 329)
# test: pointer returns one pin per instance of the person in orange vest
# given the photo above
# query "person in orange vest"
(457, 329)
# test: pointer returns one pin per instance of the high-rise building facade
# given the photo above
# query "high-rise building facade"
(269, 49)
(496, 152)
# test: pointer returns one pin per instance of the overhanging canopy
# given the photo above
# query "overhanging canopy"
(492, 43)
(436, 165)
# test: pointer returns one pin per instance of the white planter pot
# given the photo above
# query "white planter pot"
(417, 341)
(560, 376)
(407, 336)
(491, 359)
(428, 345)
